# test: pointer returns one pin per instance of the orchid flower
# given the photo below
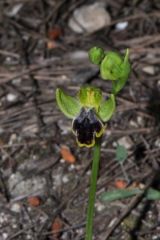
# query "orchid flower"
(89, 113)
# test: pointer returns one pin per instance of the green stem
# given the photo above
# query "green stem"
(92, 190)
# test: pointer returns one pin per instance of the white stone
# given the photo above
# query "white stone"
(140, 121)
(14, 11)
(155, 237)
(133, 123)
(14, 226)
(126, 142)
(5, 235)
(16, 207)
(121, 25)
(99, 206)
(13, 138)
(157, 142)
(89, 18)
(62, 160)
(11, 97)
(29, 237)
(71, 167)
(158, 83)
(149, 69)
(65, 179)
(78, 55)
(88, 172)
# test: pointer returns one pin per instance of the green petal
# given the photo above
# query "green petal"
(90, 97)
(67, 104)
(107, 108)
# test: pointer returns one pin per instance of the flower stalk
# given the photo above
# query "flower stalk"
(92, 190)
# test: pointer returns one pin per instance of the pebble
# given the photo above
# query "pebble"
(133, 123)
(11, 97)
(155, 237)
(149, 69)
(89, 18)
(126, 142)
(121, 25)
(16, 207)
(65, 179)
(140, 121)
(157, 142)
(71, 167)
(14, 10)
(100, 207)
(78, 55)
(12, 139)
(5, 235)
(158, 83)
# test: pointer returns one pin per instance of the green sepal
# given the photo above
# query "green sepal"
(96, 55)
(107, 108)
(90, 97)
(67, 104)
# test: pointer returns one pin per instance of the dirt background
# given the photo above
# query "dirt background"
(38, 53)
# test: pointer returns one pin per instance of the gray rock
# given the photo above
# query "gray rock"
(89, 18)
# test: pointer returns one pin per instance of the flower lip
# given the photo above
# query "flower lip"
(86, 127)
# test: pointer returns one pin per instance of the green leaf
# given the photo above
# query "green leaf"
(96, 55)
(151, 194)
(67, 104)
(107, 108)
(121, 153)
(119, 194)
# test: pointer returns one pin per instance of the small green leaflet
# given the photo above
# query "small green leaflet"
(118, 194)
(121, 153)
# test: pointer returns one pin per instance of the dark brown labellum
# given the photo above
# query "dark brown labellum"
(87, 126)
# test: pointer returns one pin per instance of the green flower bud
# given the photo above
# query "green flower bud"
(96, 55)
(110, 66)
(116, 68)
